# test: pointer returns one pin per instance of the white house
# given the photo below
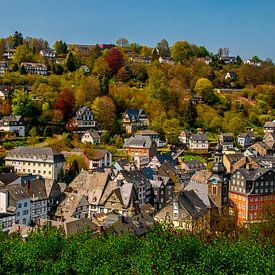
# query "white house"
(34, 68)
(43, 161)
(14, 199)
(13, 124)
(198, 142)
(99, 158)
(90, 136)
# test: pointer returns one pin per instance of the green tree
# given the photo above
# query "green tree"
(105, 112)
(157, 85)
(60, 47)
(22, 54)
(181, 51)
(17, 39)
(122, 42)
(205, 89)
(22, 103)
(171, 130)
(71, 62)
(164, 49)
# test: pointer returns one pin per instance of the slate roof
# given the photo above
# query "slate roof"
(25, 151)
(36, 189)
(92, 133)
(7, 178)
(189, 203)
(11, 118)
(138, 142)
(165, 157)
(81, 111)
(201, 190)
(16, 193)
(201, 176)
(199, 137)
(148, 172)
(194, 164)
(269, 124)
(136, 177)
(134, 114)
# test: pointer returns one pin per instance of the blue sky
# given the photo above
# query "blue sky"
(246, 27)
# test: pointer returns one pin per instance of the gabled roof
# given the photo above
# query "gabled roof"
(165, 157)
(201, 176)
(269, 124)
(135, 177)
(7, 178)
(199, 137)
(16, 193)
(36, 189)
(51, 154)
(80, 112)
(194, 164)
(138, 142)
(148, 172)
(92, 133)
(201, 191)
(134, 114)
(11, 118)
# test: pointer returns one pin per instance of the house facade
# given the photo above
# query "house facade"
(43, 161)
(4, 66)
(99, 158)
(252, 193)
(34, 68)
(269, 127)
(90, 136)
(198, 142)
(13, 123)
(245, 139)
(14, 199)
(139, 146)
(227, 141)
(134, 120)
(83, 121)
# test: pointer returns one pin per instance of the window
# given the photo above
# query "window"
(255, 206)
(214, 190)
(18, 214)
(19, 205)
(25, 204)
(255, 198)
(261, 198)
(25, 212)
(24, 221)
(250, 206)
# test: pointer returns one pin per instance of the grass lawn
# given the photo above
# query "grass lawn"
(192, 157)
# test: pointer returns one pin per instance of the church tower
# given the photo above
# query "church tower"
(218, 183)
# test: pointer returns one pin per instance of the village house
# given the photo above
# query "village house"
(159, 159)
(185, 137)
(246, 139)
(198, 142)
(186, 211)
(162, 188)
(252, 193)
(269, 137)
(48, 53)
(134, 120)
(14, 199)
(192, 166)
(7, 220)
(90, 136)
(43, 161)
(45, 196)
(34, 68)
(4, 66)
(227, 141)
(83, 121)
(154, 136)
(139, 146)
(95, 193)
(269, 127)
(14, 124)
(99, 158)
(263, 148)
